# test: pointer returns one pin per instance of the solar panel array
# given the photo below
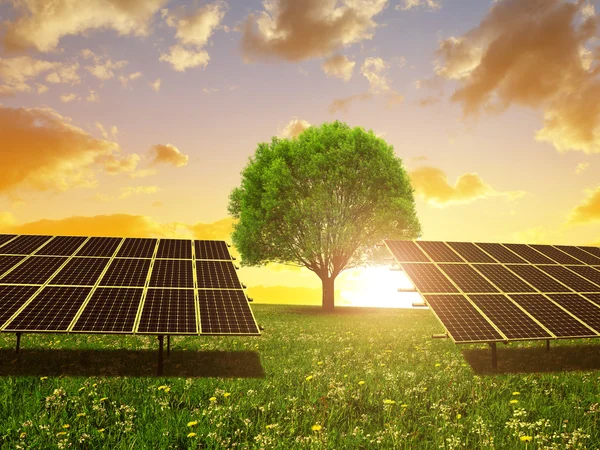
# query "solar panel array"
(120, 285)
(492, 292)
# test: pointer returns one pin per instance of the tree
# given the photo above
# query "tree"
(322, 200)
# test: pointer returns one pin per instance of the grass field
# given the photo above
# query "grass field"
(356, 379)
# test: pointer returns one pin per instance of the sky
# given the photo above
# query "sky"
(136, 117)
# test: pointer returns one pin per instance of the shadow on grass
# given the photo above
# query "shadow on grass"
(534, 359)
(342, 310)
(130, 363)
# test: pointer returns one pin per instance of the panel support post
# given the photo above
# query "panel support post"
(18, 342)
(160, 354)
(494, 356)
(547, 345)
(168, 344)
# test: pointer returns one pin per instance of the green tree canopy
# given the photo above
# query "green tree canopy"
(322, 200)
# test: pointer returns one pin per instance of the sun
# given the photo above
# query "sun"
(376, 286)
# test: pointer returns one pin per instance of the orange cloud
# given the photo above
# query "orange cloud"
(431, 184)
(17, 73)
(103, 67)
(531, 53)
(155, 85)
(39, 26)
(432, 5)
(304, 29)
(342, 104)
(338, 66)
(169, 154)
(220, 230)
(42, 150)
(181, 58)
(587, 211)
(294, 128)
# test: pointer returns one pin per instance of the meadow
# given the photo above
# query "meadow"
(361, 378)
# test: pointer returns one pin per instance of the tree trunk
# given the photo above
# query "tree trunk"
(328, 293)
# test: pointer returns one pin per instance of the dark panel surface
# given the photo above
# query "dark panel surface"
(574, 281)
(588, 272)
(168, 311)
(499, 253)
(172, 273)
(217, 274)
(503, 278)
(80, 271)
(529, 254)
(428, 278)
(593, 298)
(580, 254)
(24, 244)
(137, 248)
(406, 251)
(100, 246)
(593, 250)
(4, 238)
(175, 248)
(470, 252)
(211, 250)
(461, 319)
(466, 278)
(578, 306)
(62, 246)
(110, 310)
(8, 261)
(35, 270)
(225, 312)
(126, 272)
(12, 298)
(537, 278)
(439, 251)
(556, 254)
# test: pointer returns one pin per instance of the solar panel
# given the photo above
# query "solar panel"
(34, 270)
(529, 254)
(503, 278)
(595, 298)
(172, 273)
(427, 278)
(100, 246)
(593, 250)
(212, 250)
(8, 261)
(569, 278)
(406, 251)
(110, 310)
(556, 254)
(538, 279)
(62, 246)
(137, 248)
(80, 272)
(217, 275)
(588, 272)
(470, 252)
(126, 272)
(4, 238)
(24, 245)
(168, 311)
(225, 312)
(463, 322)
(500, 253)
(579, 254)
(466, 278)
(577, 305)
(508, 317)
(554, 318)
(52, 309)
(175, 248)
(12, 298)
(439, 251)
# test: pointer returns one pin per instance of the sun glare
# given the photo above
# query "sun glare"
(377, 287)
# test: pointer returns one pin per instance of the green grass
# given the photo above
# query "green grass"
(369, 378)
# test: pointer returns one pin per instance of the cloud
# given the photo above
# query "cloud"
(41, 150)
(114, 131)
(92, 96)
(6, 220)
(102, 130)
(66, 98)
(181, 58)
(41, 25)
(41, 88)
(219, 230)
(294, 128)
(581, 167)
(342, 104)
(588, 211)
(210, 90)
(304, 29)
(432, 5)
(104, 70)
(431, 184)
(168, 154)
(155, 85)
(17, 73)
(532, 53)
(126, 79)
(128, 191)
(338, 66)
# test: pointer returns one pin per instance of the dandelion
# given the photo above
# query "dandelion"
(94, 385)
(525, 438)
(167, 389)
(212, 399)
(458, 416)
(316, 427)
(192, 423)
(361, 382)
(81, 415)
(61, 433)
(308, 378)
(160, 388)
(66, 425)
(320, 363)
(516, 393)
(23, 435)
(387, 401)
(512, 402)
(437, 365)
(81, 389)
(43, 378)
(226, 394)
(103, 398)
(404, 405)
(190, 435)
(101, 430)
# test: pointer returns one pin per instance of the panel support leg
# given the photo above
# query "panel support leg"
(160, 354)
(168, 344)
(18, 342)
(494, 356)
(547, 345)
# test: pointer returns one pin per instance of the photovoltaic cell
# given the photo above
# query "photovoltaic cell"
(503, 278)
(175, 248)
(4, 238)
(168, 311)
(126, 272)
(588, 272)
(508, 317)
(217, 274)
(470, 252)
(554, 318)
(137, 248)
(52, 309)
(34, 270)
(593, 298)
(529, 254)
(538, 279)
(406, 251)
(499, 253)
(172, 273)
(61, 246)
(110, 310)
(593, 250)
(100, 246)
(80, 272)
(439, 252)
(225, 312)
(556, 254)
(24, 244)
(466, 278)
(12, 298)
(578, 306)
(580, 254)
(463, 322)
(8, 261)
(211, 250)
(569, 278)
(427, 278)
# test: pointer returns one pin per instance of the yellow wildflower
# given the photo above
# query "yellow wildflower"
(438, 365)
(103, 398)
(160, 388)
(525, 438)
(320, 363)
(516, 393)
(213, 399)
(404, 405)
(101, 430)
(192, 423)
(191, 434)
(316, 427)
(308, 378)
(81, 389)
(43, 378)
(458, 416)
(66, 425)
(512, 402)
(81, 415)
(61, 433)
(387, 401)
(226, 394)
(361, 382)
